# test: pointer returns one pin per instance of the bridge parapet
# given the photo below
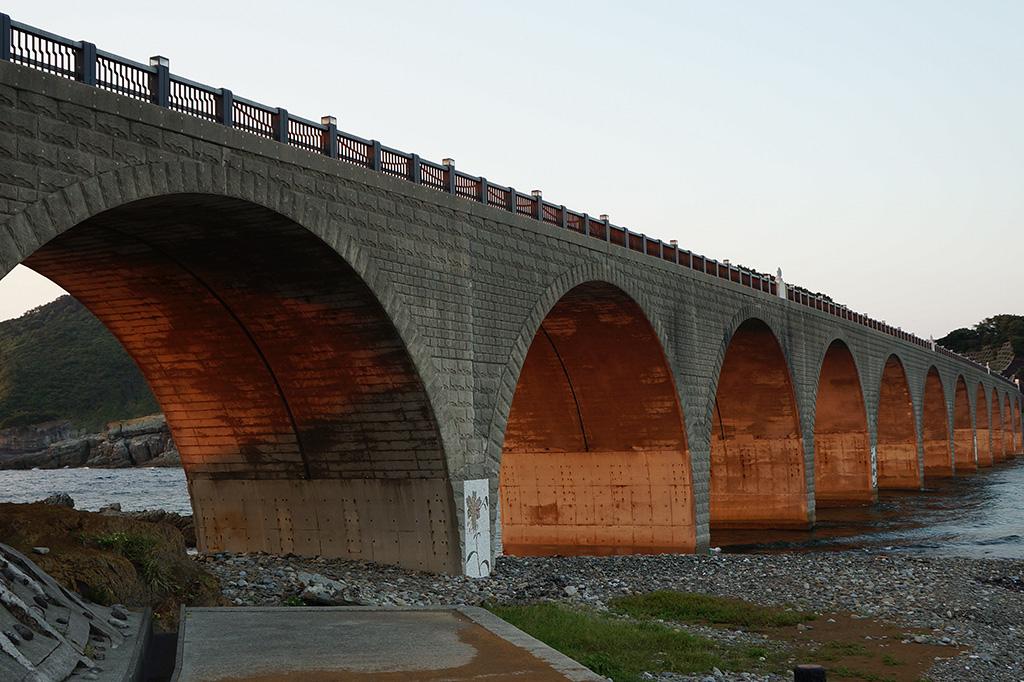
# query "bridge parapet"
(154, 83)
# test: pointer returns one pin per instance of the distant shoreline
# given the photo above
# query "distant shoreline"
(145, 441)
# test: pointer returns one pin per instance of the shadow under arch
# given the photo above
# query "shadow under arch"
(897, 434)
(842, 444)
(938, 458)
(963, 430)
(595, 457)
(302, 420)
(757, 460)
(982, 427)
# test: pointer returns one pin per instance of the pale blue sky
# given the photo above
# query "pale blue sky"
(874, 150)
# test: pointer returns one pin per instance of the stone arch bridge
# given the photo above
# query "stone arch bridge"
(347, 339)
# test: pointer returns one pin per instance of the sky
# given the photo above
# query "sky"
(874, 150)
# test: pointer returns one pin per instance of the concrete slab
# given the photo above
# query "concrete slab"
(362, 644)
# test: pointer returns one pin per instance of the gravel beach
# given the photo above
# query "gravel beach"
(973, 603)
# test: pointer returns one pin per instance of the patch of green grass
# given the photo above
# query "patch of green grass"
(293, 601)
(856, 674)
(686, 607)
(889, 659)
(624, 649)
(139, 549)
(833, 651)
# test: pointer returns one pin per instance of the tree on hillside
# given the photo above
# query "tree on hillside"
(990, 332)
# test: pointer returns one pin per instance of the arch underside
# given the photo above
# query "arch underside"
(842, 446)
(757, 462)
(595, 458)
(981, 429)
(963, 431)
(1001, 422)
(938, 459)
(301, 421)
(897, 436)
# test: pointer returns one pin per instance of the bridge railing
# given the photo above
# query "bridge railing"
(82, 61)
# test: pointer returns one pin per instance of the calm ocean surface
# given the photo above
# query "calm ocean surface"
(981, 515)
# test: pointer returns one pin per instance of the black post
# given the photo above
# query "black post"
(415, 174)
(607, 230)
(565, 217)
(538, 206)
(808, 673)
(485, 198)
(5, 37)
(451, 177)
(160, 86)
(511, 199)
(586, 224)
(375, 156)
(331, 136)
(281, 126)
(86, 66)
(226, 108)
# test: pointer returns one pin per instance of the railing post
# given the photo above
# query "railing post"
(226, 110)
(607, 227)
(86, 66)
(450, 165)
(586, 224)
(538, 205)
(281, 125)
(484, 192)
(564, 217)
(5, 37)
(375, 156)
(160, 85)
(331, 142)
(415, 169)
(511, 199)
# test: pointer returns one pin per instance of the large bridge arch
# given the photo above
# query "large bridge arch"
(594, 456)
(964, 449)
(296, 437)
(842, 442)
(757, 460)
(938, 458)
(897, 434)
(982, 427)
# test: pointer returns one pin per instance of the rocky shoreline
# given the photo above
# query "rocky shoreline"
(145, 441)
(974, 605)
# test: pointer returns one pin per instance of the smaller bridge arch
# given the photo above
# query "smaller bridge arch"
(1018, 446)
(938, 458)
(595, 456)
(982, 427)
(963, 430)
(1006, 424)
(842, 444)
(897, 435)
(998, 443)
(757, 461)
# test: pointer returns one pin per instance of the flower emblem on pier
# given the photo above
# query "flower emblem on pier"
(474, 506)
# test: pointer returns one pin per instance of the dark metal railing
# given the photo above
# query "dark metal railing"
(81, 61)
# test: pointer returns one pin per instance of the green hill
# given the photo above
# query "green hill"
(995, 341)
(59, 362)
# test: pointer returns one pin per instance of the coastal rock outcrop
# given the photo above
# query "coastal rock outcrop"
(145, 441)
